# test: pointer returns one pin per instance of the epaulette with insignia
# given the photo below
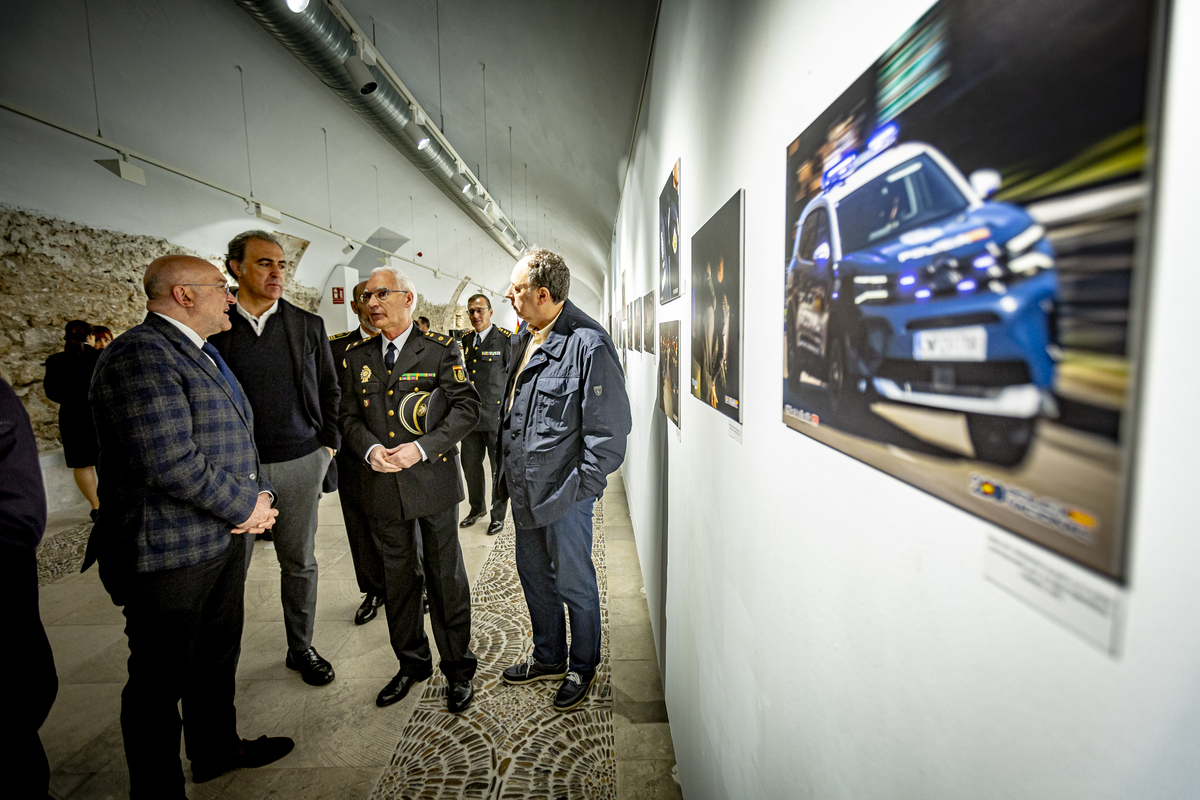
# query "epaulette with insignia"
(340, 335)
(440, 338)
(352, 345)
(504, 331)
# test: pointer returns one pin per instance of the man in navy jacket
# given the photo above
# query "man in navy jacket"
(182, 484)
(562, 433)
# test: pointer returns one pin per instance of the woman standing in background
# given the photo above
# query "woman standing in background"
(103, 336)
(68, 377)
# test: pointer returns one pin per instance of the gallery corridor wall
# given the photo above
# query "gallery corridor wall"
(826, 629)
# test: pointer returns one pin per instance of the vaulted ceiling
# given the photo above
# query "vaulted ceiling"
(166, 79)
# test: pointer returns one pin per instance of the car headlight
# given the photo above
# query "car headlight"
(870, 287)
(1025, 240)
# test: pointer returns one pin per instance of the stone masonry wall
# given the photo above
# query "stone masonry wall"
(53, 271)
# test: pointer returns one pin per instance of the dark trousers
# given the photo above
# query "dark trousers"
(185, 629)
(555, 566)
(474, 445)
(23, 758)
(445, 579)
(368, 564)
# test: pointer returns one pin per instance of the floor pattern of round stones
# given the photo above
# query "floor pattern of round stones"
(510, 743)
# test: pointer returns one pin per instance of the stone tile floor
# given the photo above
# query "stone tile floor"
(343, 742)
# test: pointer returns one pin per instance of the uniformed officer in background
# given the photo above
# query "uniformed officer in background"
(414, 478)
(349, 471)
(486, 353)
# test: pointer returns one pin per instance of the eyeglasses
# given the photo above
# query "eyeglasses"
(473, 311)
(381, 294)
(228, 287)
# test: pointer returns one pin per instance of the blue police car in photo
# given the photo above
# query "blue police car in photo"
(906, 284)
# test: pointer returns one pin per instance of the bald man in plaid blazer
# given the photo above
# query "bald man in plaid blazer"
(180, 487)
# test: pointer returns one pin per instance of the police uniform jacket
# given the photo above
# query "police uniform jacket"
(371, 414)
(566, 428)
(487, 366)
(338, 343)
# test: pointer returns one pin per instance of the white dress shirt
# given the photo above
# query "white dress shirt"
(479, 337)
(257, 323)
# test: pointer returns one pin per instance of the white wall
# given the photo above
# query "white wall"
(167, 85)
(826, 629)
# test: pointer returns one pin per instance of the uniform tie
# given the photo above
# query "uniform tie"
(389, 358)
(478, 340)
(226, 373)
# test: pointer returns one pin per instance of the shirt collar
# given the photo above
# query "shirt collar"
(485, 332)
(258, 323)
(191, 335)
(539, 336)
(399, 341)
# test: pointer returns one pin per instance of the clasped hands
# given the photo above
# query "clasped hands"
(261, 519)
(394, 459)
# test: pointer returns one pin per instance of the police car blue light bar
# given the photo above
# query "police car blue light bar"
(881, 140)
(839, 171)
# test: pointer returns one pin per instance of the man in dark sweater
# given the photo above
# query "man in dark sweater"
(281, 356)
(22, 522)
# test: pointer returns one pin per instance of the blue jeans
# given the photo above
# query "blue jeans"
(555, 566)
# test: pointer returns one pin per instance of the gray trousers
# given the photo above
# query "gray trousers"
(297, 485)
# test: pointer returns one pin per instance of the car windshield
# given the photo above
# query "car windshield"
(911, 195)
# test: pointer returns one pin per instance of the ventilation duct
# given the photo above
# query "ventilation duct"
(318, 39)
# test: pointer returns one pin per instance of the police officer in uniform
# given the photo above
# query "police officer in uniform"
(486, 352)
(414, 478)
(349, 472)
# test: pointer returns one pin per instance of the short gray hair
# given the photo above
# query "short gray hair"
(547, 270)
(237, 245)
(402, 280)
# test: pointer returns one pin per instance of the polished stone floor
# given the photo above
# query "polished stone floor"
(343, 742)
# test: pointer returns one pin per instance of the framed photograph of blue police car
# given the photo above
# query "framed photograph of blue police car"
(717, 310)
(965, 238)
(668, 238)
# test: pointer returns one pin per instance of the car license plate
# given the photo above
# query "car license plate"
(951, 344)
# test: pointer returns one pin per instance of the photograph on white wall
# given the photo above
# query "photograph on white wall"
(638, 322)
(668, 238)
(648, 317)
(629, 326)
(668, 369)
(717, 310)
(964, 239)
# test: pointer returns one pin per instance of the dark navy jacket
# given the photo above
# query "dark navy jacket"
(566, 429)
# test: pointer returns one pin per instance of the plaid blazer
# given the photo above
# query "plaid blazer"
(178, 466)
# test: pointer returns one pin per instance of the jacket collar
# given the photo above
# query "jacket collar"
(184, 345)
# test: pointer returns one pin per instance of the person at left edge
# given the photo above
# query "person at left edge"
(22, 523)
(414, 479)
(281, 355)
(182, 483)
(351, 471)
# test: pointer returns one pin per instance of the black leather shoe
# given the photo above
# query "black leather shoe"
(315, 670)
(470, 520)
(248, 754)
(496, 526)
(534, 670)
(367, 611)
(573, 691)
(459, 696)
(396, 689)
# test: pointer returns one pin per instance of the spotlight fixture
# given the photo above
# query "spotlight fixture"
(463, 182)
(360, 74)
(349, 248)
(480, 201)
(297, 5)
(123, 169)
(415, 132)
(265, 212)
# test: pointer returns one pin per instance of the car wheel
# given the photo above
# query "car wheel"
(835, 371)
(1003, 441)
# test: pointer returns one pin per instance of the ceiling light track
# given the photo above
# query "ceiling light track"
(123, 168)
(324, 37)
